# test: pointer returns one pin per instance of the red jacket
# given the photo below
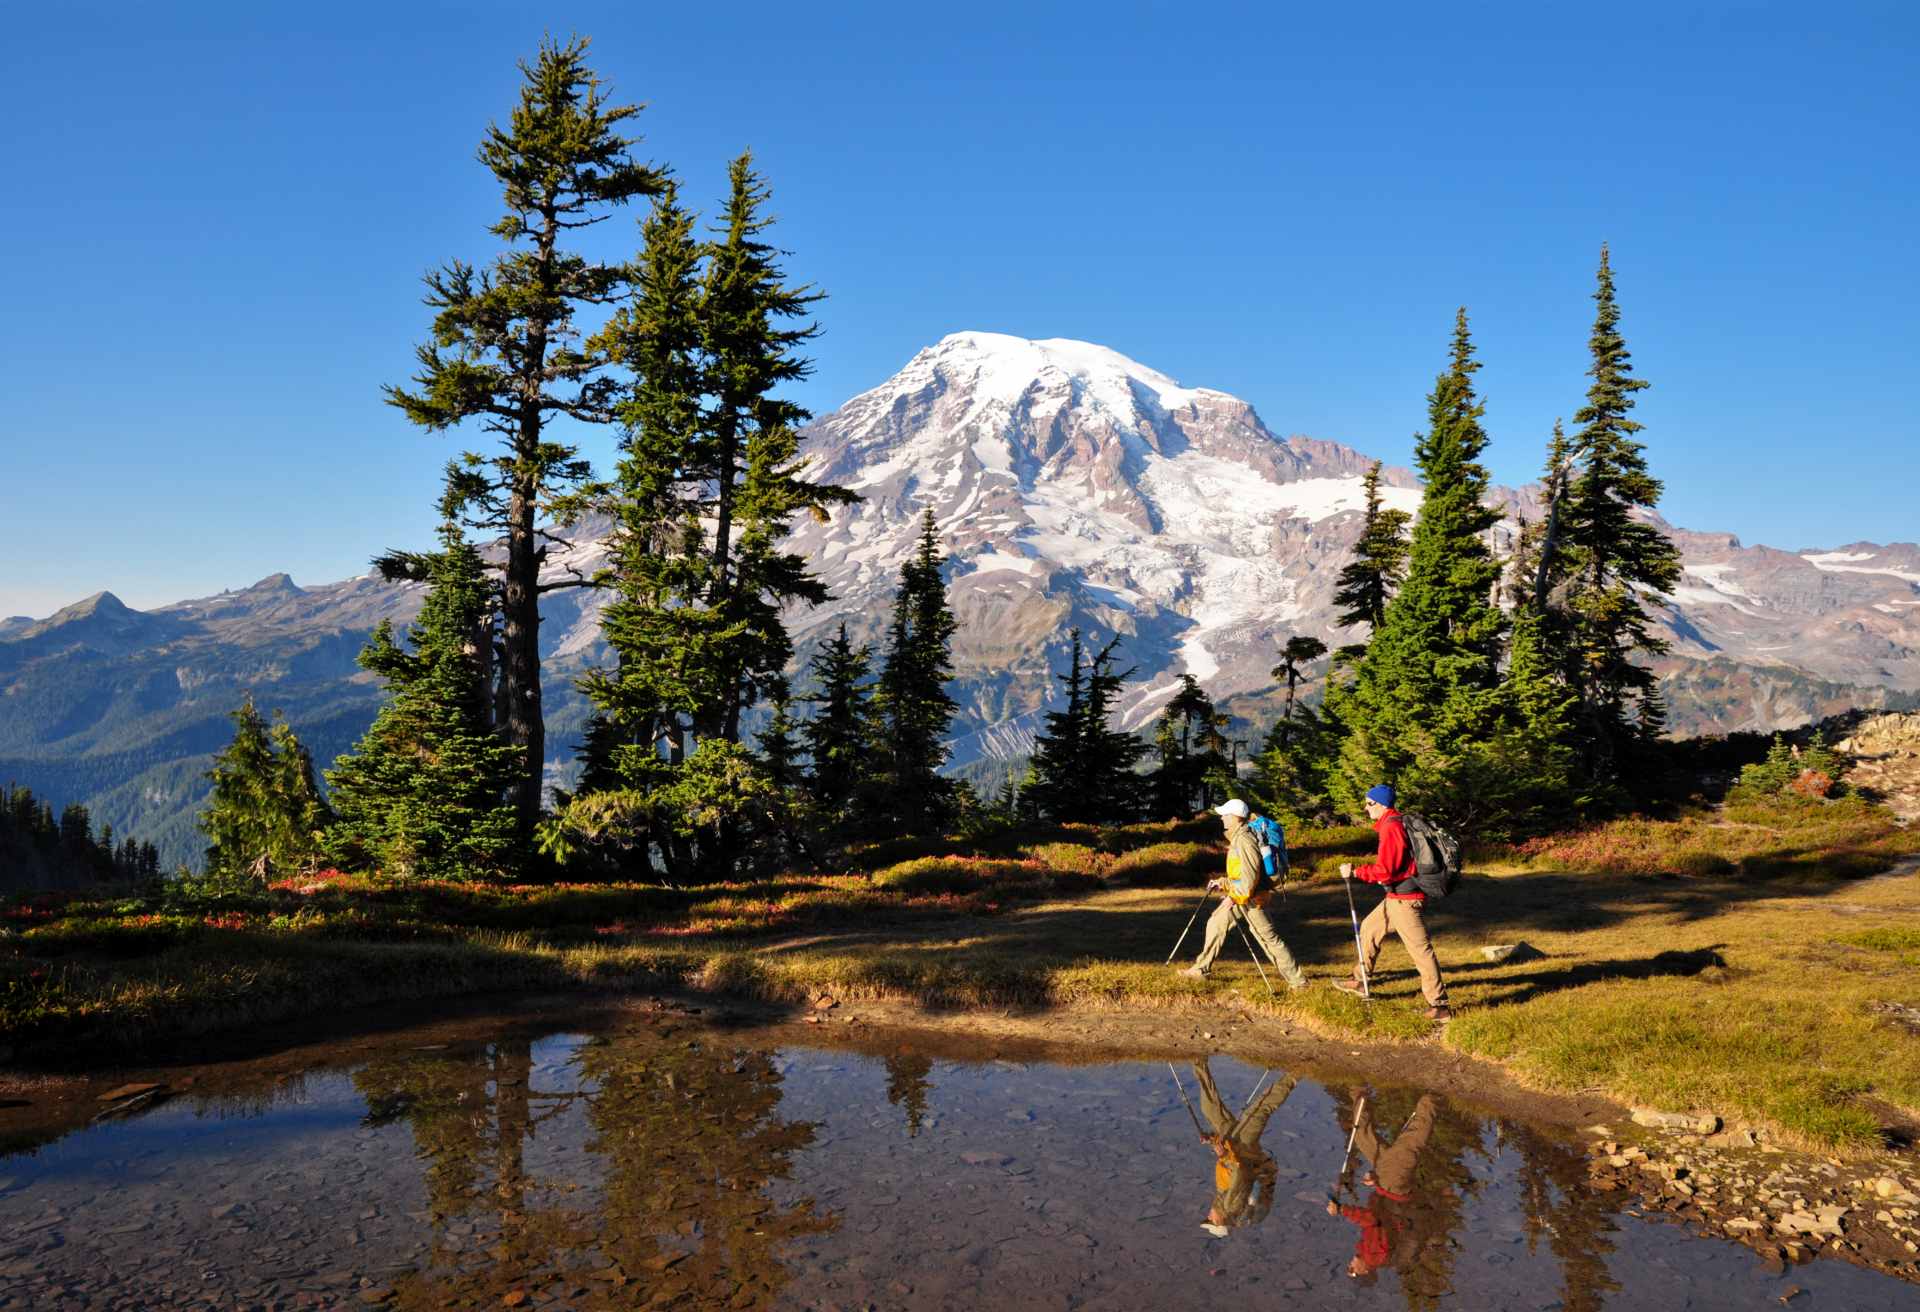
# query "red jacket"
(1395, 860)
(1378, 1230)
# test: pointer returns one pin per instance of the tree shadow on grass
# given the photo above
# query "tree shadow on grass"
(1671, 964)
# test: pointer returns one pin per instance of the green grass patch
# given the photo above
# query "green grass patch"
(1885, 939)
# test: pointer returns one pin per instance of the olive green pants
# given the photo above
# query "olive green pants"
(1221, 922)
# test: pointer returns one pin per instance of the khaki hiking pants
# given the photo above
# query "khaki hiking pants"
(1406, 920)
(1393, 1163)
(1221, 923)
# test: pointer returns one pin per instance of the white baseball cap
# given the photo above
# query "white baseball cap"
(1233, 806)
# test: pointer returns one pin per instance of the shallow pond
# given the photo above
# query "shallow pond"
(656, 1165)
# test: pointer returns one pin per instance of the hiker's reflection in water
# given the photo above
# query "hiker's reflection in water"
(1389, 1231)
(1243, 1172)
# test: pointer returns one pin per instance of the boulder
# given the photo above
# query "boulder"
(1691, 1123)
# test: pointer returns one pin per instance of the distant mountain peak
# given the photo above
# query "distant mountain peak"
(100, 603)
(281, 582)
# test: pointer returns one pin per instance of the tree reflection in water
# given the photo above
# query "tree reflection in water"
(653, 1187)
(908, 1085)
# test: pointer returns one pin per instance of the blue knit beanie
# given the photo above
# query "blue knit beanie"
(1381, 793)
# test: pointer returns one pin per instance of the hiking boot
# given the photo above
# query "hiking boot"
(1350, 986)
(1439, 1013)
(1192, 972)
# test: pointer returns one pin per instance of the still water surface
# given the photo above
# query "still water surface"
(684, 1167)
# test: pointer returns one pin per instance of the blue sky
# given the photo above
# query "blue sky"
(218, 215)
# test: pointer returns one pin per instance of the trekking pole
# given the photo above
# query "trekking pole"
(1183, 933)
(1346, 1161)
(1183, 1099)
(1359, 958)
(1265, 1075)
(1240, 919)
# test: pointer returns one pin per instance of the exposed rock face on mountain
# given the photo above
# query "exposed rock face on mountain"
(1074, 487)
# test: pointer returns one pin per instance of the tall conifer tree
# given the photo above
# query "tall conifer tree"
(1295, 655)
(839, 734)
(506, 350)
(663, 633)
(1427, 693)
(1083, 765)
(911, 696)
(429, 789)
(1617, 557)
(709, 481)
(1186, 742)
(749, 452)
(1368, 581)
(264, 816)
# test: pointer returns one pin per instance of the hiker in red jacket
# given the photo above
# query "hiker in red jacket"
(1402, 911)
(1387, 1231)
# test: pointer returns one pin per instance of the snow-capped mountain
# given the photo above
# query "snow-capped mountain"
(1072, 486)
(1076, 486)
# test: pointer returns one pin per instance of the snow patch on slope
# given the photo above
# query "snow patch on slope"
(1840, 562)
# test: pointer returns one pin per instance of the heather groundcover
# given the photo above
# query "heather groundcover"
(1732, 959)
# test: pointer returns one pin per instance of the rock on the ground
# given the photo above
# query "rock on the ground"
(1659, 1120)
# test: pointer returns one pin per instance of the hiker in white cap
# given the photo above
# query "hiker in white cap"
(1244, 891)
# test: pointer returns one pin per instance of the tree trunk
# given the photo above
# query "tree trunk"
(1549, 544)
(521, 640)
(480, 657)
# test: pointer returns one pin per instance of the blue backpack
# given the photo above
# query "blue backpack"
(1273, 845)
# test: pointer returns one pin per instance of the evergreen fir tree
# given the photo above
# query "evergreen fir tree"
(1291, 771)
(708, 484)
(429, 789)
(1060, 749)
(1169, 790)
(911, 697)
(1617, 558)
(749, 453)
(1191, 751)
(303, 815)
(1297, 652)
(1532, 785)
(1083, 767)
(264, 812)
(76, 834)
(839, 735)
(1427, 694)
(1113, 791)
(506, 351)
(1005, 807)
(779, 740)
(668, 674)
(1549, 561)
(657, 621)
(1367, 583)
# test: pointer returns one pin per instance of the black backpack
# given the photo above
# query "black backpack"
(1436, 856)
